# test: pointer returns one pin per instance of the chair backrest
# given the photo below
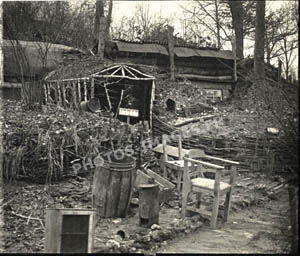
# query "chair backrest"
(196, 153)
(165, 152)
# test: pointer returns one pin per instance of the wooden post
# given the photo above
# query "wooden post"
(85, 89)
(59, 93)
(79, 92)
(45, 93)
(229, 194)
(234, 57)
(171, 51)
(216, 202)
(48, 92)
(64, 99)
(74, 94)
(149, 205)
(92, 87)
(165, 156)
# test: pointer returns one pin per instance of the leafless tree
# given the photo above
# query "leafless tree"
(259, 67)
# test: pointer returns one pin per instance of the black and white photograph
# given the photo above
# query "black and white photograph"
(149, 127)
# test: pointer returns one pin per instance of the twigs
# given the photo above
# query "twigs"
(29, 217)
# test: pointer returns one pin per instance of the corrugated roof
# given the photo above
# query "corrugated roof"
(142, 48)
(189, 52)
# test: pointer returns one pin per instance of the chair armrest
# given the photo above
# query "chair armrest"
(221, 159)
(204, 163)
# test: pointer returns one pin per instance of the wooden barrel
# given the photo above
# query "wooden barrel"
(113, 184)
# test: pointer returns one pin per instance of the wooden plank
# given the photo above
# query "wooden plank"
(141, 178)
(160, 179)
(204, 163)
(221, 159)
(170, 150)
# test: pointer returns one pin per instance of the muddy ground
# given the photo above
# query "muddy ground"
(258, 229)
(258, 223)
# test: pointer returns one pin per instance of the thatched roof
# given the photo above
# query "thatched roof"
(88, 66)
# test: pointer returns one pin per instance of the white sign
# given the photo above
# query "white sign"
(129, 112)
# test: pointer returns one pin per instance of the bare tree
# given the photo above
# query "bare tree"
(259, 67)
(236, 9)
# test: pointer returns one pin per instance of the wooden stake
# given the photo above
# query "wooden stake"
(74, 94)
(121, 98)
(79, 91)
(45, 93)
(92, 88)
(85, 90)
(59, 93)
(48, 92)
(63, 88)
(107, 96)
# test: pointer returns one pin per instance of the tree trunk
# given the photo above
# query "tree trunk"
(217, 24)
(108, 19)
(101, 38)
(259, 68)
(171, 51)
(236, 9)
(99, 13)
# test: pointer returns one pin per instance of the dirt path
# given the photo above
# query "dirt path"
(263, 229)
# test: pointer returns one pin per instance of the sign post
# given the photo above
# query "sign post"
(128, 112)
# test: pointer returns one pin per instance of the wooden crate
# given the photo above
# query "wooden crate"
(69, 230)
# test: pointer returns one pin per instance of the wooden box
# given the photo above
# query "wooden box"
(69, 230)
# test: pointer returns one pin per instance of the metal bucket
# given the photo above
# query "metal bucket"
(92, 105)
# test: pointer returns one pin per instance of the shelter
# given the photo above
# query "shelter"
(116, 85)
(209, 70)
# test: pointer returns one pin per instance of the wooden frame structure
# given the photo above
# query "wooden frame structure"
(70, 92)
(61, 235)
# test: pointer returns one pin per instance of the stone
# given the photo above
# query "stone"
(112, 243)
(196, 218)
(179, 228)
(195, 226)
(188, 224)
(156, 235)
(175, 222)
(143, 239)
(155, 227)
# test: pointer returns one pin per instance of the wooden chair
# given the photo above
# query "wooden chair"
(194, 181)
(176, 165)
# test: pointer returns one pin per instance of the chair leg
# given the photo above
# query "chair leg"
(186, 189)
(179, 180)
(213, 221)
(227, 205)
(198, 200)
